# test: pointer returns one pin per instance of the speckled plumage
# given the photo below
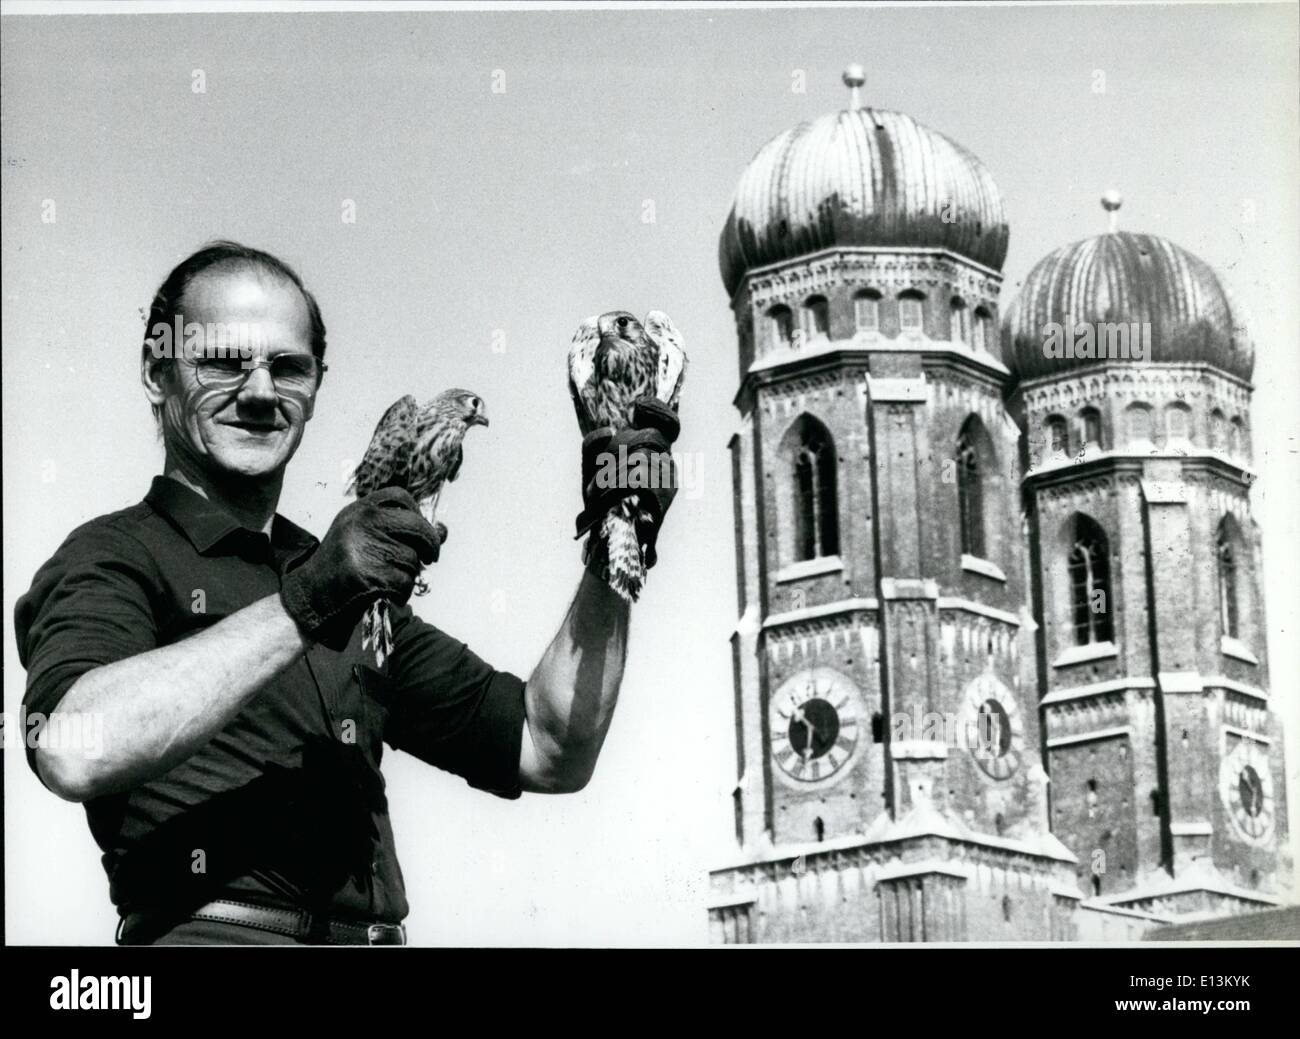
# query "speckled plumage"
(417, 448)
(614, 361)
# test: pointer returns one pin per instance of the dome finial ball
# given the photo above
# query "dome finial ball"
(1110, 202)
(853, 78)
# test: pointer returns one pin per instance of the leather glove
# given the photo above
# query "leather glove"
(374, 549)
(655, 427)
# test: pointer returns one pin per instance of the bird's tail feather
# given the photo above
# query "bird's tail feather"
(377, 631)
(625, 567)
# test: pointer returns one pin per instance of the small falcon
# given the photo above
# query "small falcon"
(416, 447)
(614, 361)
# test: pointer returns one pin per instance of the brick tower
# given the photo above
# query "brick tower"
(1133, 372)
(890, 782)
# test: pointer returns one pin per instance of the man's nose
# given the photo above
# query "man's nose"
(259, 387)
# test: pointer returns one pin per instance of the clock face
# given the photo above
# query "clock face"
(1246, 787)
(994, 730)
(816, 722)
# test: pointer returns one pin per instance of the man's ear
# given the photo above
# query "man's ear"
(155, 370)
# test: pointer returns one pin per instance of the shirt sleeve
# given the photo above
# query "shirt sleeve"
(452, 710)
(89, 605)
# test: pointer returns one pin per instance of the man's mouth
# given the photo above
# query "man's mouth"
(256, 427)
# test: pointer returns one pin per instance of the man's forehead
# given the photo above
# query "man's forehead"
(247, 294)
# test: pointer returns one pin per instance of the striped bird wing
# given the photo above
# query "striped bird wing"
(582, 370)
(672, 357)
(385, 461)
(457, 457)
(436, 452)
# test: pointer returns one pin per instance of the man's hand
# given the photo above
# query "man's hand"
(653, 430)
(374, 549)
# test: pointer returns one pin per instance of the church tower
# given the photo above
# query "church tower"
(890, 785)
(1133, 370)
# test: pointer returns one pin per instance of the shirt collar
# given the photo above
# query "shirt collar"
(206, 523)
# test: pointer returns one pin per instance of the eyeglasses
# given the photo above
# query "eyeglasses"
(293, 375)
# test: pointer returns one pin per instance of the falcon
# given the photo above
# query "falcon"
(614, 361)
(416, 447)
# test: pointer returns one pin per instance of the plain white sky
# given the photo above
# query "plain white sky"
(516, 214)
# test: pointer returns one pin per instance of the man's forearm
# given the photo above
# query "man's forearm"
(571, 695)
(158, 708)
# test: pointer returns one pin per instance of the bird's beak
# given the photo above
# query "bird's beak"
(479, 419)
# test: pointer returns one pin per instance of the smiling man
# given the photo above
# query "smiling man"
(237, 793)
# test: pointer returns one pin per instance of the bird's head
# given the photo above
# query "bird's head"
(619, 332)
(462, 405)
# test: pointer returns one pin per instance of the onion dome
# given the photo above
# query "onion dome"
(1130, 279)
(861, 177)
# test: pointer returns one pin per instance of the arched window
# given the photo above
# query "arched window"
(816, 317)
(819, 828)
(909, 310)
(982, 337)
(1090, 421)
(866, 311)
(959, 331)
(1090, 595)
(781, 323)
(1058, 435)
(1177, 424)
(1237, 438)
(816, 510)
(1228, 603)
(1138, 422)
(1218, 430)
(970, 491)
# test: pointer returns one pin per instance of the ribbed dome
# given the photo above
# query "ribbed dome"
(861, 177)
(1123, 277)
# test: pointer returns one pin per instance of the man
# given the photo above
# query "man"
(236, 792)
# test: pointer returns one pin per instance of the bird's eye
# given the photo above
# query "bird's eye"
(474, 402)
(622, 322)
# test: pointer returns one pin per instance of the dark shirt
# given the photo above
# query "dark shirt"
(286, 804)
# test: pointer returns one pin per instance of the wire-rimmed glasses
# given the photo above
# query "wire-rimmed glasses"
(293, 375)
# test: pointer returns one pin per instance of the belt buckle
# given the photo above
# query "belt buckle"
(386, 934)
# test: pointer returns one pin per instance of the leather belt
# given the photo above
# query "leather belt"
(295, 923)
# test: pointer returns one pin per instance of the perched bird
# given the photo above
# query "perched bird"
(614, 361)
(416, 447)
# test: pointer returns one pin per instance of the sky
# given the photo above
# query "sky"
(510, 174)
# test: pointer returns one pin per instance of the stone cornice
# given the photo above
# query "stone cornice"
(1113, 379)
(809, 614)
(1127, 467)
(850, 357)
(893, 267)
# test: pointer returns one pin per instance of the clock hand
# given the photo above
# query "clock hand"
(810, 733)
